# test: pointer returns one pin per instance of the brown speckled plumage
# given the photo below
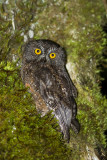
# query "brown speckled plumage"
(50, 84)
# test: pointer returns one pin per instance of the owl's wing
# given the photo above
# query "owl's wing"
(55, 92)
(73, 89)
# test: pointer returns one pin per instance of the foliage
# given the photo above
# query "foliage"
(76, 25)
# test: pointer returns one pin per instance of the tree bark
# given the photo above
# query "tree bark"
(105, 5)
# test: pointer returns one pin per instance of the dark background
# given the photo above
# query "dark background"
(104, 69)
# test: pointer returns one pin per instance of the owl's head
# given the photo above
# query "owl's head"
(44, 51)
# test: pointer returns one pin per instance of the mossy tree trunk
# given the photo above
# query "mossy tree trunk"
(76, 25)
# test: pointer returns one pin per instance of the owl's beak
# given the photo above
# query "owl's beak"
(43, 59)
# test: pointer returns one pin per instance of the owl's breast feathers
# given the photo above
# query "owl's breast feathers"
(52, 86)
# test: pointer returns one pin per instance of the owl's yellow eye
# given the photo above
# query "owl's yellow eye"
(37, 51)
(52, 55)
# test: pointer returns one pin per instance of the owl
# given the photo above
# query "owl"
(44, 73)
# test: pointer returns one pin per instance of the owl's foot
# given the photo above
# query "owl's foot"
(75, 125)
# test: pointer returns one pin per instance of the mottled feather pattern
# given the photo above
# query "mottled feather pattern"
(50, 84)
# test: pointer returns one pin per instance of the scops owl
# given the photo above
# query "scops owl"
(44, 72)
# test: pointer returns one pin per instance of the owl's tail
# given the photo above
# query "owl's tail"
(75, 125)
(64, 116)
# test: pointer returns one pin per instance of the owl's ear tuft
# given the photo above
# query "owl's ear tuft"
(64, 56)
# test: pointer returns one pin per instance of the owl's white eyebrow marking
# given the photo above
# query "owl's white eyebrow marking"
(42, 48)
(51, 49)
